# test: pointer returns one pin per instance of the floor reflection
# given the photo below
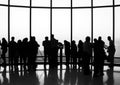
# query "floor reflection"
(60, 75)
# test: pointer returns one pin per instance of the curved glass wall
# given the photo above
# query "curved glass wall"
(65, 22)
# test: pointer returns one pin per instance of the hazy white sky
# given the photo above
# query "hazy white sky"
(61, 20)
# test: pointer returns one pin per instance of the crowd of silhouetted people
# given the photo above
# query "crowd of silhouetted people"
(22, 52)
(83, 54)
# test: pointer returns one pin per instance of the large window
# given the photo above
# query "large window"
(19, 23)
(40, 24)
(3, 22)
(117, 31)
(61, 24)
(61, 20)
(103, 23)
(81, 24)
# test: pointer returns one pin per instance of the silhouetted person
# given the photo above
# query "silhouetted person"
(46, 45)
(53, 52)
(111, 51)
(87, 48)
(12, 51)
(20, 50)
(60, 48)
(4, 46)
(33, 50)
(74, 53)
(25, 52)
(96, 58)
(80, 53)
(101, 55)
(67, 51)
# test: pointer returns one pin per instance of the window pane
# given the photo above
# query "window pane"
(40, 24)
(117, 2)
(61, 3)
(19, 23)
(61, 24)
(117, 32)
(102, 2)
(3, 1)
(103, 23)
(20, 2)
(79, 3)
(3, 22)
(40, 2)
(81, 24)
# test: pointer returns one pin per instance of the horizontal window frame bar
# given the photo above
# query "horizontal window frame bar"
(60, 7)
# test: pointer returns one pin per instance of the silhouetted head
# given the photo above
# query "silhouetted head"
(3, 39)
(109, 38)
(25, 40)
(95, 40)
(52, 36)
(80, 42)
(19, 41)
(99, 38)
(88, 39)
(46, 38)
(73, 42)
(32, 38)
(12, 38)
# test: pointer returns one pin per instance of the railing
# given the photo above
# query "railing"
(40, 60)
